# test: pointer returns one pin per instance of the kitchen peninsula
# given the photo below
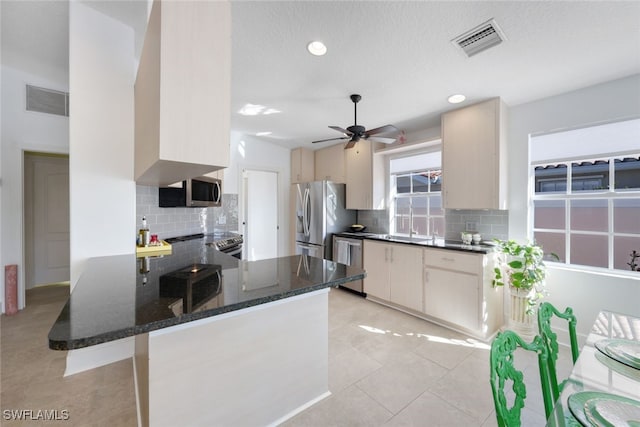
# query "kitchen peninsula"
(218, 341)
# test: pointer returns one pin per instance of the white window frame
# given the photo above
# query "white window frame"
(610, 195)
(393, 196)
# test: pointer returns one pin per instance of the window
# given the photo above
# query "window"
(586, 207)
(416, 201)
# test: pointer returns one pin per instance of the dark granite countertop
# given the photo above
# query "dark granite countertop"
(122, 296)
(456, 245)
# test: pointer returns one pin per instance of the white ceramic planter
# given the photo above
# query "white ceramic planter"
(519, 321)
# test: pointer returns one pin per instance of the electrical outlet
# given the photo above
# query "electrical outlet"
(471, 226)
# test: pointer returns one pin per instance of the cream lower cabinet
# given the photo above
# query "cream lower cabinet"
(449, 294)
(458, 291)
(449, 287)
(394, 273)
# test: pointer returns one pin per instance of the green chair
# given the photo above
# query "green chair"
(545, 312)
(503, 370)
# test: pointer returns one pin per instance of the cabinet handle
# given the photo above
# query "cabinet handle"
(386, 254)
(426, 276)
(391, 249)
(448, 259)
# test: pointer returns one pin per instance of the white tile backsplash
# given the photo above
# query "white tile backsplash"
(492, 224)
(170, 222)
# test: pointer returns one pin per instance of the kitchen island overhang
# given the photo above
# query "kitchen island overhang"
(259, 340)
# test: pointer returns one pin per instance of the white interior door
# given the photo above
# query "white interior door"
(46, 219)
(260, 214)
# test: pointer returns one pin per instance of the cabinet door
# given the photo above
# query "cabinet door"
(470, 163)
(182, 96)
(329, 164)
(405, 276)
(302, 165)
(452, 296)
(359, 176)
(376, 263)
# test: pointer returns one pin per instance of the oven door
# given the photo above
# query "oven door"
(235, 251)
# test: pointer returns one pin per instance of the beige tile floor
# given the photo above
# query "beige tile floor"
(385, 368)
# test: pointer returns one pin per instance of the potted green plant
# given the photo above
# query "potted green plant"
(521, 267)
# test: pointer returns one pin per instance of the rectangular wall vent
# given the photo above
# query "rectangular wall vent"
(47, 101)
(480, 38)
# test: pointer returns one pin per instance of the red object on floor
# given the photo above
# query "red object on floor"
(10, 289)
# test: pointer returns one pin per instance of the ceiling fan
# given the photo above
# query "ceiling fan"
(355, 133)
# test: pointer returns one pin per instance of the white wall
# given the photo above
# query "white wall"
(249, 152)
(587, 293)
(102, 189)
(23, 130)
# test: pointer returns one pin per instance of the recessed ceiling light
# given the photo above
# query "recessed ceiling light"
(456, 99)
(263, 133)
(317, 48)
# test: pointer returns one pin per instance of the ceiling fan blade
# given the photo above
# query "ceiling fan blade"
(383, 129)
(339, 129)
(382, 139)
(350, 144)
(330, 139)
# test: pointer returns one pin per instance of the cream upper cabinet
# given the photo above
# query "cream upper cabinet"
(330, 164)
(302, 165)
(365, 177)
(474, 167)
(182, 92)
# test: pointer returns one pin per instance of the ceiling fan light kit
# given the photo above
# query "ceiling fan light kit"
(356, 132)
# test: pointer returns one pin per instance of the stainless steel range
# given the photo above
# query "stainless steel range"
(224, 241)
(228, 242)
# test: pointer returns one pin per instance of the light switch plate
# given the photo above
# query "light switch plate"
(471, 226)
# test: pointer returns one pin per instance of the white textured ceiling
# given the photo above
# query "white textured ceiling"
(397, 55)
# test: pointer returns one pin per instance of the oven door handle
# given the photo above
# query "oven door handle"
(234, 251)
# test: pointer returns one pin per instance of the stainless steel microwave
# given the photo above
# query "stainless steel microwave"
(192, 193)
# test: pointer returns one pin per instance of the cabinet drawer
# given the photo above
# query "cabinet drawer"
(452, 260)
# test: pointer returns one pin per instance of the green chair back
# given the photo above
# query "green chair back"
(503, 370)
(545, 312)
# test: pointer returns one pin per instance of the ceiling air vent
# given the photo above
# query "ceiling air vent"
(47, 101)
(480, 38)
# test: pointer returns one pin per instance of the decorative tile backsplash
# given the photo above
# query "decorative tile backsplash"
(491, 224)
(376, 221)
(170, 222)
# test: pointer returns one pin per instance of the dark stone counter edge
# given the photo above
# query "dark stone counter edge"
(449, 247)
(62, 343)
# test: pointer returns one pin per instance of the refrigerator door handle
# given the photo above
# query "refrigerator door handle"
(307, 206)
(304, 212)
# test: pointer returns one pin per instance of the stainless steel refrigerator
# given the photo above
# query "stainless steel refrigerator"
(320, 212)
